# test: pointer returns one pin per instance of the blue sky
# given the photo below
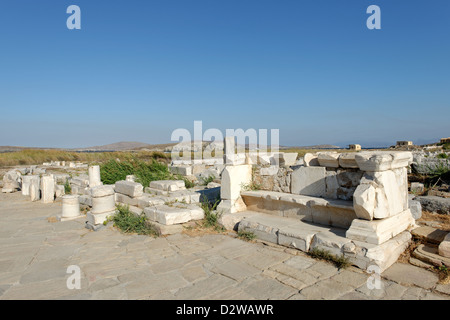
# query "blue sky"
(137, 70)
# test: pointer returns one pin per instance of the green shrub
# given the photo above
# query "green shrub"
(145, 172)
(211, 215)
(128, 222)
(442, 156)
(67, 188)
(205, 181)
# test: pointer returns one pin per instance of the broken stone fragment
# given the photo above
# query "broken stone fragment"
(347, 160)
(444, 247)
(382, 160)
(328, 159)
(310, 160)
(129, 188)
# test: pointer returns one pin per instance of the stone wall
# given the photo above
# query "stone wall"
(327, 178)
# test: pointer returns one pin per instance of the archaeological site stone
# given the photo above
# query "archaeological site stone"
(48, 189)
(309, 181)
(70, 207)
(94, 176)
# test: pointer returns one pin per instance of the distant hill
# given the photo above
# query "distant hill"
(118, 146)
(135, 146)
(10, 149)
(319, 146)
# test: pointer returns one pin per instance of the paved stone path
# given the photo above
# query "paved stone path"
(35, 255)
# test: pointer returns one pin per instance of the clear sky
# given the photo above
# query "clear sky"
(137, 70)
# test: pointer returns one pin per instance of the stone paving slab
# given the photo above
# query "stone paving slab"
(35, 254)
(408, 275)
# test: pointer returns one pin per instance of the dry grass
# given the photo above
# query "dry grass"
(442, 219)
(39, 156)
(198, 229)
(407, 254)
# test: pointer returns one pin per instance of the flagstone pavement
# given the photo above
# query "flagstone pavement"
(35, 256)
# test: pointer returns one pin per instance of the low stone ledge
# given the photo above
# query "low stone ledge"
(170, 215)
(308, 201)
(379, 231)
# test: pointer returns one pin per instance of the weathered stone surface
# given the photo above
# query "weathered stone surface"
(70, 207)
(406, 274)
(429, 234)
(94, 176)
(229, 150)
(333, 241)
(379, 231)
(269, 171)
(381, 194)
(234, 179)
(181, 170)
(392, 191)
(101, 191)
(149, 201)
(287, 158)
(417, 187)
(48, 189)
(99, 218)
(86, 200)
(328, 159)
(59, 191)
(364, 201)
(332, 185)
(310, 160)
(309, 181)
(347, 160)
(382, 160)
(230, 221)
(168, 185)
(416, 208)
(103, 204)
(444, 247)
(432, 255)
(11, 181)
(169, 215)
(349, 178)
(129, 188)
(298, 236)
(124, 199)
(383, 255)
(434, 204)
(231, 206)
(27, 181)
(35, 192)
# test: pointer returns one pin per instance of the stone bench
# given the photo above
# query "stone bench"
(328, 212)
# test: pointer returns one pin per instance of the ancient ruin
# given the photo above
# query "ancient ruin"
(352, 204)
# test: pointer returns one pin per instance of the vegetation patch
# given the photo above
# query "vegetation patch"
(67, 188)
(252, 186)
(145, 172)
(205, 181)
(246, 235)
(341, 262)
(36, 156)
(211, 215)
(444, 274)
(128, 222)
